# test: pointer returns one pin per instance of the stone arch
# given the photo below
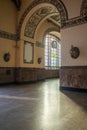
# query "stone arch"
(57, 3)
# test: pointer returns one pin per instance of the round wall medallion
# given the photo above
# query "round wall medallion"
(6, 57)
(74, 52)
(39, 60)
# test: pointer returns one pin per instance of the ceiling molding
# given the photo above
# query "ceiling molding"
(83, 10)
(82, 19)
(74, 22)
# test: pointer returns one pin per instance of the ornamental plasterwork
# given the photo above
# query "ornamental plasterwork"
(78, 20)
(74, 22)
(57, 19)
(84, 8)
(37, 17)
(57, 3)
(65, 22)
(8, 35)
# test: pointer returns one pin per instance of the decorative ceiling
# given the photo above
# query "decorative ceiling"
(57, 19)
(58, 4)
(84, 8)
(36, 17)
(65, 22)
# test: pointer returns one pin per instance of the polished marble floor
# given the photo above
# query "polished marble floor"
(41, 106)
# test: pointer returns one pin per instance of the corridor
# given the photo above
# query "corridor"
(42, 106)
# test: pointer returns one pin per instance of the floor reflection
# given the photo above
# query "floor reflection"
(41, 106)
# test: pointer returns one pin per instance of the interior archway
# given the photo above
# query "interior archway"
(41, 18)
(57, 4)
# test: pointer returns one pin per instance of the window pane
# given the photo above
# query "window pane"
(52, 52)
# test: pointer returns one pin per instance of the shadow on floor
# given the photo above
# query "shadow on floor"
(79, 98)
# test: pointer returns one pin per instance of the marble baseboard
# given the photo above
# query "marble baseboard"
(34, 74)
(73, 77)
(7, 75)
(25, 75)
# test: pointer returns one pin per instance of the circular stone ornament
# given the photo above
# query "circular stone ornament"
(74, 52)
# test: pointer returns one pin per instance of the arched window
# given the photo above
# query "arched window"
(52, 52)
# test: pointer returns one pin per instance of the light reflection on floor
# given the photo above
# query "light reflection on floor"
(41, 106)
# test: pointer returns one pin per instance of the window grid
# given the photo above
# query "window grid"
(52, 52)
